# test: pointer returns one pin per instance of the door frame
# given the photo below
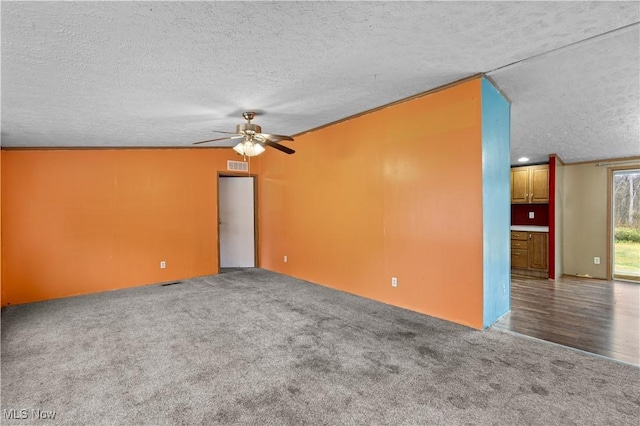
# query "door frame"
(610, 245)
(254, 177)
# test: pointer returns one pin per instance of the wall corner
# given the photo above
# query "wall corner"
(496, 211)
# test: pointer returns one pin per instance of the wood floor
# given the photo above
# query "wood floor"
(597, 316)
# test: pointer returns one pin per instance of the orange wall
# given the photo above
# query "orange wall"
(397, 192)
(83, 221)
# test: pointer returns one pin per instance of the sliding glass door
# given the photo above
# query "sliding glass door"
(625, 221)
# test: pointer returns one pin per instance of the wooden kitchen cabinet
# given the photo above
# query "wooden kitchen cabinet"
(529, 253)
(538, 250)
(520, 185)
(530, 184)
(519, 249)
(519, 259)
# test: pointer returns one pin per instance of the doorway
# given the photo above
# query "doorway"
(625, 224)
(237, 242)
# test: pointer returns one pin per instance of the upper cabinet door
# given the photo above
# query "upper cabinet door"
(519, 185)
(539, 184)
(530, 184)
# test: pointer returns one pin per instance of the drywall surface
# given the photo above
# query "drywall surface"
(84, 221)
(584, 224)
(496, 204)
(394, 193)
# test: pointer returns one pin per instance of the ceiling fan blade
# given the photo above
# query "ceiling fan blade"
(221, 131)
(220, 139)
(279, 147)
(276, 138)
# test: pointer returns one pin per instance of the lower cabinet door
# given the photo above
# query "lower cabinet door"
(538, 250)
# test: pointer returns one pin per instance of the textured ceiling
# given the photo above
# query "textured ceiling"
(115, 74)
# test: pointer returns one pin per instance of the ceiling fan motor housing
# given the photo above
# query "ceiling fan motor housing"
(248, 129)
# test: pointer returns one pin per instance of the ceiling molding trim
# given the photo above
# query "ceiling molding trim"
(495, 85)
(104, 148)
(558, 159)
(568, 46)
(607, 161)
(410, 98)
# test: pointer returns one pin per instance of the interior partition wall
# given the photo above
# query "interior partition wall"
(496, 203)
(416, 193)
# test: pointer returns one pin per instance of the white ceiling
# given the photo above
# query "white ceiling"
(163, 74)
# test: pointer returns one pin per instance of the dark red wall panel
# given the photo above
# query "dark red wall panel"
(552, 214)
(520, 214)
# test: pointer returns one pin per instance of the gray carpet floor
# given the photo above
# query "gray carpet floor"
(255, 347)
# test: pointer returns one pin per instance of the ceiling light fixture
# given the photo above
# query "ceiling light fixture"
(249, 148)
(523, 159)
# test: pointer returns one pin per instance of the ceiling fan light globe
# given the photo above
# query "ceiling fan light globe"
(239, 148)
(249, 149)
(254, 149)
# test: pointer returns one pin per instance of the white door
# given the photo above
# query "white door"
(237, 223)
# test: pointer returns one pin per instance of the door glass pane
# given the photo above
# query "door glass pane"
(626, 224)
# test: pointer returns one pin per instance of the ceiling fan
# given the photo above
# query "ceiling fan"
(253, 141)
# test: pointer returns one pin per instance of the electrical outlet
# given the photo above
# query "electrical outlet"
(285, 259)
(394, 282)
(596, 260)
(163, 264)
(531, 215)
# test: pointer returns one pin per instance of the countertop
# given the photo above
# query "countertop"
(530, 228)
